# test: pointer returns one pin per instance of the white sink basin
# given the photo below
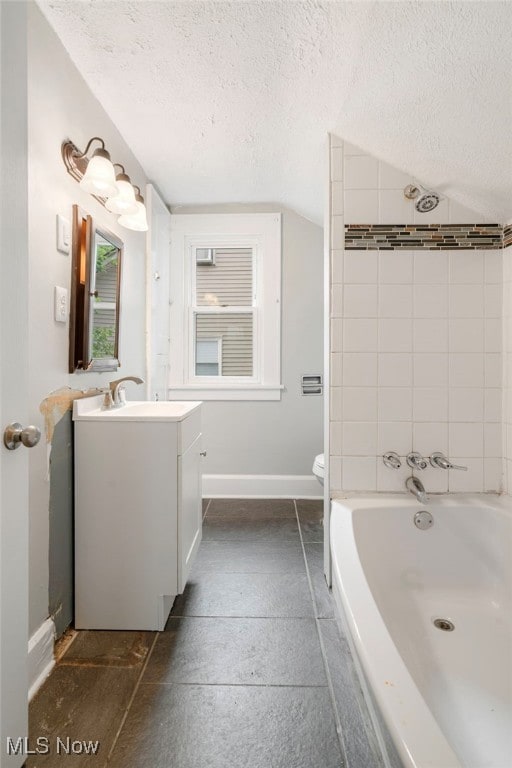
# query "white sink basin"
(91, 409)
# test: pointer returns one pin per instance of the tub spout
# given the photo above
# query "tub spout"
(415, 486)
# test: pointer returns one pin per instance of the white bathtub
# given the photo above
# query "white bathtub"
(446, 697)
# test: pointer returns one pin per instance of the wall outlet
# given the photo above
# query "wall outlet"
(61, 304)
(63, 235)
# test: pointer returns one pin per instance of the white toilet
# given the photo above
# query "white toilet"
(319, 467)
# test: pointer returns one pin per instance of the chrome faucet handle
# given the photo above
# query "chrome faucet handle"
(416, 461)
(392, 460)
(439, 461)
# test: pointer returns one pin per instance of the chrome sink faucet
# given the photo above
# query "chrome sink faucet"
(417, 489)
(115, 389)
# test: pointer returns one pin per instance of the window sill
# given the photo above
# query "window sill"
(255, 392)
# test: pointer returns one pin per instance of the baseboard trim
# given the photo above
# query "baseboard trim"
(261, 487)
(40, 656)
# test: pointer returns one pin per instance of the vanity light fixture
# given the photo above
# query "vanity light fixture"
(97, 176)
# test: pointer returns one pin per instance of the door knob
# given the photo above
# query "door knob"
(15, 434)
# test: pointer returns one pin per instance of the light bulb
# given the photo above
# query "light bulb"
(137, 221)
(123, 202)
(100, 177)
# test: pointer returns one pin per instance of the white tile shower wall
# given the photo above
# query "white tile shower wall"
(373, 193)
(416, 357)
(337, 242)
(507, 369)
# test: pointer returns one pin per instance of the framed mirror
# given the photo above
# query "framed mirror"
(95, 295)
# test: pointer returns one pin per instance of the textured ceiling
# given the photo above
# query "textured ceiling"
(231, 101)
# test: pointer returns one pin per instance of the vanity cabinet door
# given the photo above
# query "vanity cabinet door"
(189, 510)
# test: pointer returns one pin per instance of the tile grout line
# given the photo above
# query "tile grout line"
(249, 618)
(129, 705)
(232, 685)
(330, 686)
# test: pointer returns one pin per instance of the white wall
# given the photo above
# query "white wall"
(61, 106)
(415, 341)
(277, 438)
(507, 368)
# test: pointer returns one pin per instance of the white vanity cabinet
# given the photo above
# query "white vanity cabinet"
(138, 510)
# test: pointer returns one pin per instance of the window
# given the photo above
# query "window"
(223, 302)
(225, 306)
(208, 357)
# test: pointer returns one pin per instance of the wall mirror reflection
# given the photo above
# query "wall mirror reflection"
(95, 292)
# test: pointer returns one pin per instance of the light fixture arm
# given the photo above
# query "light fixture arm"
(75, 160)
(138, 195)
(79, 154)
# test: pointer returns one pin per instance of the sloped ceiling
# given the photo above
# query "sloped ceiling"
(231, 101)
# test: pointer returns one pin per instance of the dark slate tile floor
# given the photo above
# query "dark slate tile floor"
(252, 670)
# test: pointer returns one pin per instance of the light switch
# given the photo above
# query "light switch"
(61, 304)
(63, 235)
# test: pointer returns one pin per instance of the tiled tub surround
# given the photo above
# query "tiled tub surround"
(416, 365)
(416, 340)
(434, 237)
(507, 362)
(507, 235)
(372, 192)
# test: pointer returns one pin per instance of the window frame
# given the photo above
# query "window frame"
(261, 233)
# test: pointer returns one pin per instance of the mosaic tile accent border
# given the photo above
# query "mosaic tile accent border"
(432, 237)
(507, 236)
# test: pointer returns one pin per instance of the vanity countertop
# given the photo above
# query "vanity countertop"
(91, 409)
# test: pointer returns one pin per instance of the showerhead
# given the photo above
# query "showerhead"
(425, 199)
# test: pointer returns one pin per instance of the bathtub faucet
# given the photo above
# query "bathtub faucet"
(417, 489)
